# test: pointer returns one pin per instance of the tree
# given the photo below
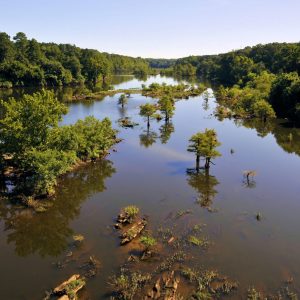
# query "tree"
(147, 110)
(285, 95)
(27, 122)
(6, 47)
(204, 144)
(166, 106)
(40, 149)
(194, 146)
(263, 110)
(95, 65)
(123, 99)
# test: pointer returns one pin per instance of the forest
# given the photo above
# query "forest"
(276, 66)
(26, 62)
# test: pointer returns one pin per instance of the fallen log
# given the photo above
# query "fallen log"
(69, 287)
(130, 234)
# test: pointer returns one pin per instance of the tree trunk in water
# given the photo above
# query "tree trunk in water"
(148, 122)
(197, 163)
(207, 163)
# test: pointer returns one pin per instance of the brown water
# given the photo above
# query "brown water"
(149, 170)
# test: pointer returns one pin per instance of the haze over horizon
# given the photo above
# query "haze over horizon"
(156, 29)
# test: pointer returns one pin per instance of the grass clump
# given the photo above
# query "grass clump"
(148, 242)
(131, 212)
(201, 242)
(127, 284)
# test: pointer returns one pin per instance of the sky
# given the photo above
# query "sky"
(154, 28)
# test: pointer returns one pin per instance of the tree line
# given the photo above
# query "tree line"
(241, 75)
(26, 62)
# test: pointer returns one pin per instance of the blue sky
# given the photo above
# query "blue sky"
(154, 28)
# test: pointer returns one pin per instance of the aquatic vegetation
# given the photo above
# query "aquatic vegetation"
(127, 123)
(78, 238)
(181, 213)
(179, 91)
(208, 283)
(148, 241)
(126, 284)
(127, 215)
(253, 294)
(168, 263)
(131, 212)
(202, 242)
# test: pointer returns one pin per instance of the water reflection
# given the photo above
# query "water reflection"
(166, 131)
(47, 233)
(287, 137)
(204, 184)
(262, 128)
(148, 138)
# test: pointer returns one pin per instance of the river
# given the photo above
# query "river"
(149, 170)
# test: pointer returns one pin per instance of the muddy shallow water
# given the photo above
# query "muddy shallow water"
(149, 170)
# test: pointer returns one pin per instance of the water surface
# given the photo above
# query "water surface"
(149, 170)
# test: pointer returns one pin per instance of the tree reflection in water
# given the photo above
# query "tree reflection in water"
(47, 233)
(148, 138)
(204, 184)
(166, 131)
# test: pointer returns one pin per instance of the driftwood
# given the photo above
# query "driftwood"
(134, 230)
(69, 288)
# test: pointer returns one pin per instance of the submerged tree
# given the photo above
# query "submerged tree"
(204, 144)
(166, 106)
(147, 110)
(123, 99)
(194, 146)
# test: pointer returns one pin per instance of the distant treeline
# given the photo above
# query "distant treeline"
(263, 72)
(26, 62)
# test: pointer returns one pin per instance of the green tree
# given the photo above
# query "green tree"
(27, 122)
(263, 110)
(194, 146)
(204, 144)
(95, 65)
(6, 47)
(123, 99)
(166, 106)
(285, 95)
(41, 150)
(147, 110)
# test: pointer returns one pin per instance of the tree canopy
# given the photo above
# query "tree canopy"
(26, 62)
(41, 150)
